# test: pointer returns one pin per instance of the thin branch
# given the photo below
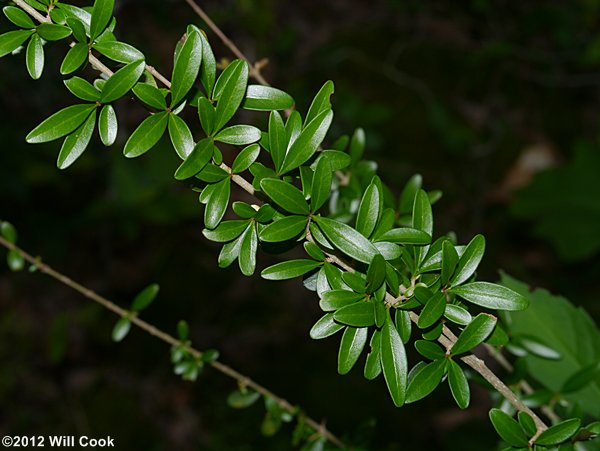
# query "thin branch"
(254, 71)
(169, 339)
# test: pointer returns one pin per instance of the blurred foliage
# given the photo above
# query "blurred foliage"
(456, 91)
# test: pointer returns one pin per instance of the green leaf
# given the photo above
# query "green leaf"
(18, 17)
(266, 98)
(357, 145)
(289, 269)
(458, 314)
(229, 253)
(325, 327)
(376, 273)
(208, 69)
(469, 260)
(76, 143)
(314, 251)
(491, 296)
(337, 160)
(248, 246)
(321, 103)
(429, 349)
(239, 135)
(373, 363)
(425, 380)
(405, 235)
(121, 329)
(35, 57)
(474, 334)
(368, 211)
(15, 261)
(241, 400)
(187, 65)
(146, 135)
(351, 346)
(508, 429)
(108, 125)
(183, 330)
(101, 16)
(10, 41)
(422, 220)
(145, 297)
(433, 310)
(60, 123)
(359, 314)
(527, 423)
(197, 160)
(459, 386)
(77, 28)
(245, 158)
(393, 362)
(559, 432)
(215, 209)
(122, 81)
(307, 142)
(226, 231)
(283, 229)
(277, 139)
(83, 89)
(347, 240)
(449, 261)
(336, 299)
(403, 325)
(580, 379)
(535, 346)
(181, 137)
(150, 95)
(119, 51)
(233, 87)
(76, 56)
(53, 32)
(8, 231)
(286, 196)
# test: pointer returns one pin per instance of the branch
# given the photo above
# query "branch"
(169, 339)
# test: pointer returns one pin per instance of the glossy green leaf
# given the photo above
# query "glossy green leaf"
(245, 158)
(101, 16)
(293, 127)
(457, 314)
(508, 429)
(491, 296)
(226, 231)
(233, 88)
(307, 142)
(314, 251)
(449, 261)
(146, 135)
(208, 68)
(212, 173)
(74, 59)
(559, 432)
(121, 329)
(459, 386)
(60, 124)
(325, 327)
(393, 362)
(206, 114)
(119, 51)
(336, 299)
(403, 325)
(241, 400)
(219, 200)
(10, 41)
(475, 333)
(248, 247)
(35, 57)
(122, 81)
(433, 310)
(527, 423)
(277, 139)
(376, 273)
(429, 349)
(186, 68)
(53, 32)
(77, 28)
(352, 344)
(83, 89)
(75, 12)
(76, 143)
(15, 261)
(359, 314)
(181, 137)
(373, 363)
(368, 211)
(266, 98)
(239, 135)
(321, 103)
(425, 380)
(289, 269)
(286, 196)
(347, 240)
(283, 229)
(405, 235)
(422, 220)
(17, 16)
(150, 95)
(229, 253)
(108, 125)
(469, 260)
(145, 297)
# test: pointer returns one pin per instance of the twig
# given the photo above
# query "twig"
(169, 339)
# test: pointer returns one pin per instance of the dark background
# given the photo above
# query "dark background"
(495, 102)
